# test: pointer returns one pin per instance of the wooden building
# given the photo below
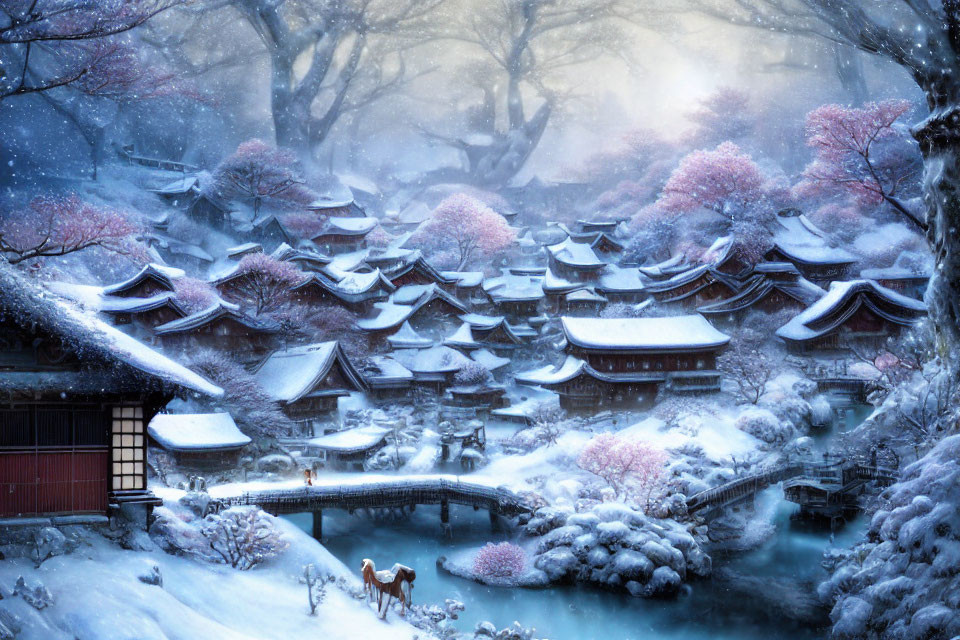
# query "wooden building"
(853, 313)
(425, 307)
(690, 289)
(909, 282)
(773, 287)
(355, 291)
(628, 359)
(222, 326)
(414, 269)
(349, 449)
(802, 243)
(205, 441)
(341, 235)
(151, 280)
(143, 312)
(78, 394)
(307, 381)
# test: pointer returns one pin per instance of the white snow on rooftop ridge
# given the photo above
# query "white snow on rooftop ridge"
(438, 359)
(406, 336)
(196, 431)
(350, 440)
(288, 375)
(575, 253)
(797, 328)
(551, 374)
(686, 332)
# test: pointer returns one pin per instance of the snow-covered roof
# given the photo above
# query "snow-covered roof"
(289, 375)
(159, 272)
(664, 268)
(196, 431)
(553, 283)
(576, 254)
(244, 249)
(480, 321)
(407, 338)
(110, 304)
(551, 374)
(811, 323)
(893, 273)
(384, 369)
(348, 226)
(414, 213)
(462, 337)
(351, 440)
(614, 278)
(688, 332)
(354, 282)
(438, 359)
(466, 279)
(511, 287)
(219, 309)
(334, 194)
(404, 303)
(584, 295)
(489, 359)
(801, 240)
(179, 186)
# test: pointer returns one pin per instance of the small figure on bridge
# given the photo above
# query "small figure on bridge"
(308, 477)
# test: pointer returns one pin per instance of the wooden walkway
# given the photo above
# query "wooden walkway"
(379, 495)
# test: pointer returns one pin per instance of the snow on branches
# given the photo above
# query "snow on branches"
(263, 282)
(60, 225)
(243, 537)
(860, 152)
(503, 560)
(257, 171)
(193, 294)
(466, 227)
(725, 180)
(632, 468)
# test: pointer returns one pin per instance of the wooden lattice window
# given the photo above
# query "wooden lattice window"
(128, 468)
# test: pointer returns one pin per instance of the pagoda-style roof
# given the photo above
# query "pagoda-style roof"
(407, 338)
(404, 303)
(576, 255)
(382, 372)
(431, 362)
(508, 287)
(643, 335)
(112, 305)
(197, 432)
(573, 367)
(758, 287)
(462, 338)
(350, 441)
(218, 311)
(842, 300)
(555, 285)
(801, 241)
(480, 321)
(342, 226)
(415, 262)
(292, 374)
(162, 275)
(615, 279)
(244, 249)
(666, 269)
(465, 279)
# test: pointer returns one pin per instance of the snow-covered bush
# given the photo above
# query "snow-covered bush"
(37, 596)
(243, 537)
(764, 425)
(194, 295)
(503, 560)
(902, 582)
(472, 373)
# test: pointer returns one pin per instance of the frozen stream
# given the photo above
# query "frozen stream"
(708, 610)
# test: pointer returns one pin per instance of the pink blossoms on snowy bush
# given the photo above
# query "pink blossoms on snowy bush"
(725, 180)
(630, 467)
(503, 560)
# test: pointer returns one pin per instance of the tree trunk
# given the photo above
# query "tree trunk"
(849, 67)
(939, 138)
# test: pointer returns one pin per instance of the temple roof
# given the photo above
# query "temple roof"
(674, 333)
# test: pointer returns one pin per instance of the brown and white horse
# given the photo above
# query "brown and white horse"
(396, 583)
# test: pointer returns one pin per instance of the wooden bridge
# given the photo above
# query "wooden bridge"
(384, 494)
(155, 163)
(821, 487)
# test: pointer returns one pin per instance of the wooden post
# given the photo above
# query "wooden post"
(444, 512)
(444, 452)
(317, 524)
(494, 521)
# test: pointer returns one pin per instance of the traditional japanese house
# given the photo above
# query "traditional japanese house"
(472, 401)
(698, 286)
(344, 234)
(800, 242)
(621, 284)
(205, 441)
(243, 250)
(407, 338)
(427, 307)
(386, 378)
(433, 368)
(221, 326)
(598, 226)
(211, 211)
(143, 312)
(613, 359)
(271, 233)
(348, 450)
(583, 302)
(180, 192)
(909, 282)
(462, 338)
(305, 259)
(355, 291)
(414, 269)
(853, 313)
(574, 260)
(151, 280)
(77, 396)
(466, 285)
(606, 245)
(336, 200)
(773, 287)
(494, 333)
(515, 295)
(307, 381)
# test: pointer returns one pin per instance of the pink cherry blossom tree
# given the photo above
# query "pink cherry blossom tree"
(60, 225)
(46, 44)
(193, 294)
(257, 171)
(263, 282)
(466, 226)
(860, 152)
(502, 560)
(725, 180)
(632, 468)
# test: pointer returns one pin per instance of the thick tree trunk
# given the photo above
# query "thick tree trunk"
(939, 138)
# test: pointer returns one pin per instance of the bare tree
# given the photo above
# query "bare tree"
(523, 42)
(321, 60)
(923, 37)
